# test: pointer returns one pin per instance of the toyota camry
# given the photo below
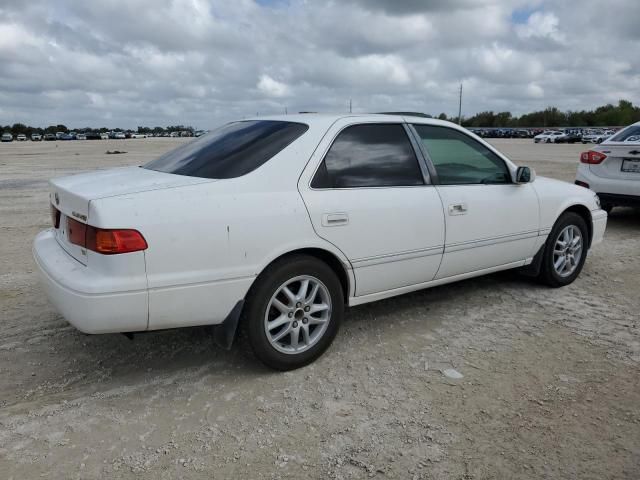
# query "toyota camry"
(277, 224)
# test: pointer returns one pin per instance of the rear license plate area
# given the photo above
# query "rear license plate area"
(630, 165)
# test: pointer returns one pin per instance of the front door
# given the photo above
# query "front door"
(367, 193)
(490, 221)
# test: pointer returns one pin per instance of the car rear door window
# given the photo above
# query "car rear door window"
(230, 151)
(369, 155)
(459, 159)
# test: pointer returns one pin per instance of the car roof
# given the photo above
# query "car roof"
(327, 119)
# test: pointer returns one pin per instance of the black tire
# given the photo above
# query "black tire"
(548, 274)
(258, 300)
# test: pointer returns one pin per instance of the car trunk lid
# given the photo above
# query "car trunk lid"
(72, 196)
(622, 162)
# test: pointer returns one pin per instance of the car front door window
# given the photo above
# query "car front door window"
(461, 160)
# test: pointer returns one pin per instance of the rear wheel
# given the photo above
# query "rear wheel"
(293, 312)
(565, 251)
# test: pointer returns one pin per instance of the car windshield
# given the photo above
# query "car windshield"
(230, 151)
(629, 134)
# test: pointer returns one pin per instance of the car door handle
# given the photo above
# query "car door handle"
(334, 219)
(458, 209)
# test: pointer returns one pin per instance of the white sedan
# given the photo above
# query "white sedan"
(612, 169)
(280, 223)
(550, 136)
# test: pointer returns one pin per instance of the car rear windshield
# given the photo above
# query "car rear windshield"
(629, 134)
(230, 151)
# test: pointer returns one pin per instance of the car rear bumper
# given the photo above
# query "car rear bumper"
(618, 200)
(75, 291)
(614, 188)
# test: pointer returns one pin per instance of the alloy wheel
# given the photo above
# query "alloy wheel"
(567, 251)
(298, 314)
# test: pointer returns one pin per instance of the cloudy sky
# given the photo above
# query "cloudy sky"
(202, 62)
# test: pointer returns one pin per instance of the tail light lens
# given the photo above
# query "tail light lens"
(592, 157)
(106, 241)
(55, 217)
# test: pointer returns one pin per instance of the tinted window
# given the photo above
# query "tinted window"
(373, 155)
(629, 134)
(459, 159)
(230, 151)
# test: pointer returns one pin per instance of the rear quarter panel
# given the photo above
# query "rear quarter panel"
(208, 242)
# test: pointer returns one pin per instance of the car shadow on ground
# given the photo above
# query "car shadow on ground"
(624, 220)
(171, 351)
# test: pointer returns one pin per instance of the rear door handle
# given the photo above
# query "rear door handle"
(334, 219)
(458, 209)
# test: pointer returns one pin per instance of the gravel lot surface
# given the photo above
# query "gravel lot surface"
(550, 386)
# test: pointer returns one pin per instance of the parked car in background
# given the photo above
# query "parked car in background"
(571, 136)
(104, 136)
(49, 137)
(21, 137)
(282, 222)
(589, 135)
(36, 137)
(601, 137)
(92, 136)
(67, 136)
(59, 135)
(549, 136)
(81, 136)
(6, 137)
(138, 135)
(612, 169)
(119, 135)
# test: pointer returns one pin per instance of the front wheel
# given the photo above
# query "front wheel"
(565, 251)
(293, 312)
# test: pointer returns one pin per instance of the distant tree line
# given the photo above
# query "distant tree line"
(18, 128)
(609, 115)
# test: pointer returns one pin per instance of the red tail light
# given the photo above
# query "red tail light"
(55, 216)
(105, 241)
(592, 157)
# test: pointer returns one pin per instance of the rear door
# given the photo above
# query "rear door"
(489, 220)
(367, 193)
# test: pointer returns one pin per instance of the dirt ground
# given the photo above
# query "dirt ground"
(551, 385)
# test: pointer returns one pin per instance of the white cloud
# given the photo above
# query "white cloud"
(541, 25)
(271, 87)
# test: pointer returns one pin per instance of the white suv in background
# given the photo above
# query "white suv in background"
(612, 169)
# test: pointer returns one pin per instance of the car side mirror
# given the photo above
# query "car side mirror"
(525, 175)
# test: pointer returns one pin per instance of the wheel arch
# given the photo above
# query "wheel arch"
(586, 216)
(343, 273)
